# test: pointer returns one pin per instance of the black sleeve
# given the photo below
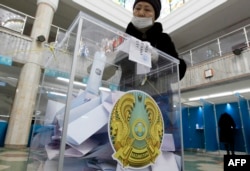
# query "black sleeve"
(166, 45)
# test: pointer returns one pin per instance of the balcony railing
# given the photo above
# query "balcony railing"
(22, 23)
(233, 42)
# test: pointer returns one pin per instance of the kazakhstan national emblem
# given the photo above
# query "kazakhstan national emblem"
(136, 130)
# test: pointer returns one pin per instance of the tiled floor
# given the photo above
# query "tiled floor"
(197, 161)
(16, 160)
(13, 160)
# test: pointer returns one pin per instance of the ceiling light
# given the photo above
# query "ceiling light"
(242, 90)
(82, 84)
(75, 82)
(197, 98)
(220, 94)
(55, 93)
(79, 83)
(104, 89)
(62, 79)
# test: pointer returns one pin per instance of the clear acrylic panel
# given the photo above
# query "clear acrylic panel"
(187, 58)
(99, 110)
(205, 52)
(248, 34)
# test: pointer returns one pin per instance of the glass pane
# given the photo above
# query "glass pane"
(187, 57)
(9, 76)
(91, 107)
(205, 52)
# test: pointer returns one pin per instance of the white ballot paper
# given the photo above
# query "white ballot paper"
(88, 124)
(52, 108)
(104, 152)
(109, 101)
(140, 52)
(79, 111)
(142, 69)
(168, 143)
(166, 161)
(82, 149)
(79, 106)
(73, 150)
(124, 47)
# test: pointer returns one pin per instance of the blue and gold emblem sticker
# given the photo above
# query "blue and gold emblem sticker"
(136, 130)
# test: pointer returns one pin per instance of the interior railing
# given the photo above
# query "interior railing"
(22, 23)
(233, 42)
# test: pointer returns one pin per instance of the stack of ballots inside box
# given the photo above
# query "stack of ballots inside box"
(87, 136)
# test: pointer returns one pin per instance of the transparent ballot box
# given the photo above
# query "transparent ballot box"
(107, 101)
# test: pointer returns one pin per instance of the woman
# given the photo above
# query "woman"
(144, 27)
(226, 132)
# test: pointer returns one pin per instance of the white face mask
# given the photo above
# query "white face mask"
(142, 22)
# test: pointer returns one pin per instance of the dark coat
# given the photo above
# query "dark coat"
(159, 40)
(227, 127)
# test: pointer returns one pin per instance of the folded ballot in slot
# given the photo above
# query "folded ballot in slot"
(107, 101)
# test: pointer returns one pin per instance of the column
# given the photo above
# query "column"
(26, 93)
